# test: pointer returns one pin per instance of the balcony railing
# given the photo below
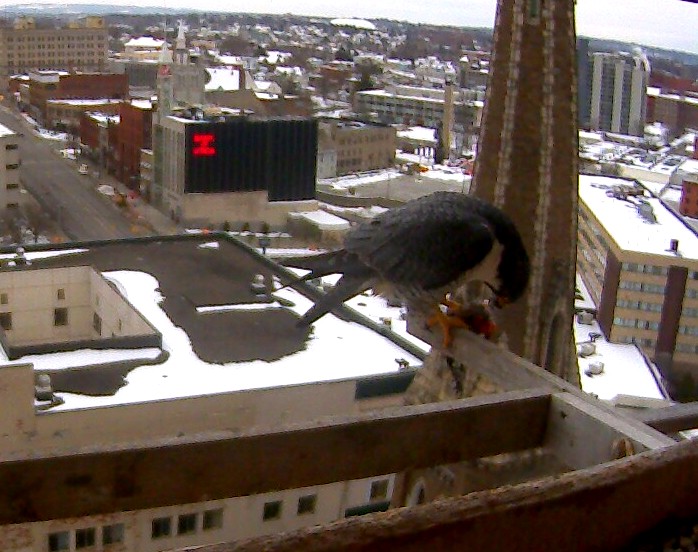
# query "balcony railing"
(598, 503)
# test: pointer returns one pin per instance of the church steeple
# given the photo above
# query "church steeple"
(527, 165)
(181, 54)
(165, 89)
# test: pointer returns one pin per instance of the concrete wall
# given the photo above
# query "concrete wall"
(33, 295)
(240, 207)
(118, 316)
(22, 428)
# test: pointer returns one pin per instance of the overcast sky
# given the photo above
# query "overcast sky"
(665, 23)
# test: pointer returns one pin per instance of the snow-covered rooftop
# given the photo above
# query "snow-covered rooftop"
(355, 23)
(622, 220)
(334, 350)
(4, 131)
(626, 371)
(223, 79)
(145, 42)
(323, 220)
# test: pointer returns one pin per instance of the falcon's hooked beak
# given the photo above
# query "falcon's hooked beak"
(500, 300)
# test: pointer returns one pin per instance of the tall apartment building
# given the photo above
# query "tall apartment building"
(640, 264)
(9, 169)
(583, 83)
(82, 45)
(618, 92)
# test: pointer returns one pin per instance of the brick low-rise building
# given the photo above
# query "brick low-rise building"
(360, 146)
(134, 133)
(45, 86)
(82, 45)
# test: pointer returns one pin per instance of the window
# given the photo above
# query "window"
(12, 166)
(6, 320)
(60, 317)
(84, 537)
(213, 519)
(272, 510)
(58, 541)
(112, 534)
(4, 299)
(60, 294)
(379, 490)
(306, 504)
(12, 186)
(161, 527)
(186, 524)
(97, 323)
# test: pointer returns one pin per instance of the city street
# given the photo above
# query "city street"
(69, 197)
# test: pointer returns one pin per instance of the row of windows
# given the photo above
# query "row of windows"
(54, 38)
(688, 330)
(187, 524)
(60, 318)
(642, 286)
(639, 305)
(644, 341)
(686, 348)
(86, 537)
(691, 312)
(645, 269)
(636, 323)
(5, 297)
(306, 504)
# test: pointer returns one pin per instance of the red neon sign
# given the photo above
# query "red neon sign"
(203, 145)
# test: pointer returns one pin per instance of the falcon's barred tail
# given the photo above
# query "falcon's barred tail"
(319, 264)
(346, 287)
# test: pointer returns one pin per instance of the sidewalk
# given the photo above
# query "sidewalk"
(140, 210)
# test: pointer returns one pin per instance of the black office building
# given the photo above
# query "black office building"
(251, 153)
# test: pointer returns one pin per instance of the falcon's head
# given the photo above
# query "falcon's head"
(514, 267)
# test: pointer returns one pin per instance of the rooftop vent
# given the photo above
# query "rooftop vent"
(674, 246)
(586, 349)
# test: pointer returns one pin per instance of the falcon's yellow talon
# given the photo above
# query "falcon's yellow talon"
(446, 322)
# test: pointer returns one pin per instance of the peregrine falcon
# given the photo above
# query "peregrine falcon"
(421, 252)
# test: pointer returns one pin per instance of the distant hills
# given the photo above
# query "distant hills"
(64, 10)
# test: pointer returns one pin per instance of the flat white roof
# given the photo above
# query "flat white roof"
(631, 231)
(625, 369)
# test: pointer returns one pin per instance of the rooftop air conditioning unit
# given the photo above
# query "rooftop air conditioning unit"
(585, 317)
(586, 349)
(594, 368)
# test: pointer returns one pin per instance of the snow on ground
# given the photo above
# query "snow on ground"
(82, 358)
(354, 180)
(335, 350)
